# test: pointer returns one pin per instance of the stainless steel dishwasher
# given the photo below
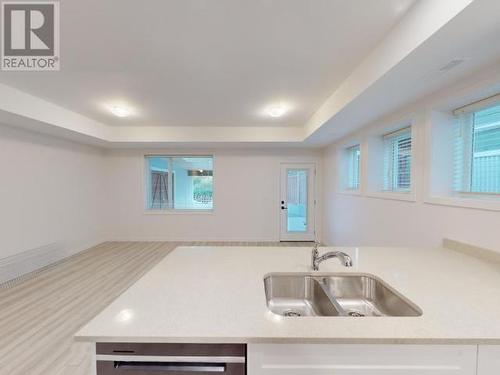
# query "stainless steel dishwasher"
(170, 359)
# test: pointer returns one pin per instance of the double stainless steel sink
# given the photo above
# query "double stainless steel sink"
(356, 295)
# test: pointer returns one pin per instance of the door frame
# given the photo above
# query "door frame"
(311, 202)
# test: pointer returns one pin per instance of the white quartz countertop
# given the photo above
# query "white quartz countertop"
(216, 294)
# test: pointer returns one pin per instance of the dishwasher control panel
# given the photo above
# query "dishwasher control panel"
(170, 359)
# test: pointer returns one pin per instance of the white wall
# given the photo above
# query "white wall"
(365, 221)
(246, 197)
(51, 192)
(369, 220)
(58, 193)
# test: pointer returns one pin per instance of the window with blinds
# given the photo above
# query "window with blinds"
(179, 182)
(477, 151)
(397, 161)
(353, 157)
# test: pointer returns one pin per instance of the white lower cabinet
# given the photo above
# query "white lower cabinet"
(319, 359)
(488, 361)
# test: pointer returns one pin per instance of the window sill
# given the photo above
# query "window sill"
(393, 195)
(477, 195)
(178, 212)
(489, 202)
(356, 193)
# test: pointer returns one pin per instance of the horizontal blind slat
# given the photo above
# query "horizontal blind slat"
(397, 160)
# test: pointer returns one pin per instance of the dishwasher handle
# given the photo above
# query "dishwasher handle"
(170, 366)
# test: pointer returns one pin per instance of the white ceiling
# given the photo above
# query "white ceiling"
(199, 72)
(207, 62)
(420, 73)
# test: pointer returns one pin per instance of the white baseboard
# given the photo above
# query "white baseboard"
(26, 262)
(193, 238)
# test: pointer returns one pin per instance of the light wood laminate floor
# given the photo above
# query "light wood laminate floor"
(40, 314)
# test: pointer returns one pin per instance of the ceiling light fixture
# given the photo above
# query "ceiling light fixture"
(120, 111)
(276, 111)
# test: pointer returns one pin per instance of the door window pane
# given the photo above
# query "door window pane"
(297, 200)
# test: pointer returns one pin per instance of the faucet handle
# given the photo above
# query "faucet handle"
(314, 257)
(348, 261)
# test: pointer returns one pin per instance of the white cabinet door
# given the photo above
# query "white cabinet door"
(488, 361)
(312, 359)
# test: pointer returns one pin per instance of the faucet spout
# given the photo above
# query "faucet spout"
(344, 258)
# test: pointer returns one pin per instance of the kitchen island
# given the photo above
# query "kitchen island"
(210, 295)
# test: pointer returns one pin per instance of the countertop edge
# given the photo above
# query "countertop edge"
(294, 340)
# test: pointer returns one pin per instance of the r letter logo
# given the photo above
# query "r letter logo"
(30, 35)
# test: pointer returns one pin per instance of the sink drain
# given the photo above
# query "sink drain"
(291, 313)
(355, 313)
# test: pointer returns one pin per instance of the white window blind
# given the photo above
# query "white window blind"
(477, 151)
(353, 156)
(397, 161)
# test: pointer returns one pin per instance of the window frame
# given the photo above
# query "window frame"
(439, 189)
(373, 163)
(349, 167)
(392, 138)
(173, 210)
(466, 175)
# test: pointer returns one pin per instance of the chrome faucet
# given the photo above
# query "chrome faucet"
(316, 259)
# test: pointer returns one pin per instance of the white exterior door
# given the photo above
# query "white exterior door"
(297, 202)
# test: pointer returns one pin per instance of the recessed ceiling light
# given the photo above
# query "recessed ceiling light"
(120, 111)
(401, 6)
(124, 315)
(276, 111)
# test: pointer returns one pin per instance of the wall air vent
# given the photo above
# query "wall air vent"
(451, 65)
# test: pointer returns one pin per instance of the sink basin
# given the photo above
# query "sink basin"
(290, 295)
(355, 295)
(367, 295)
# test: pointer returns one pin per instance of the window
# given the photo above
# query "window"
(477, 151)
(179, 182)
(353, 154)
(397, 161)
